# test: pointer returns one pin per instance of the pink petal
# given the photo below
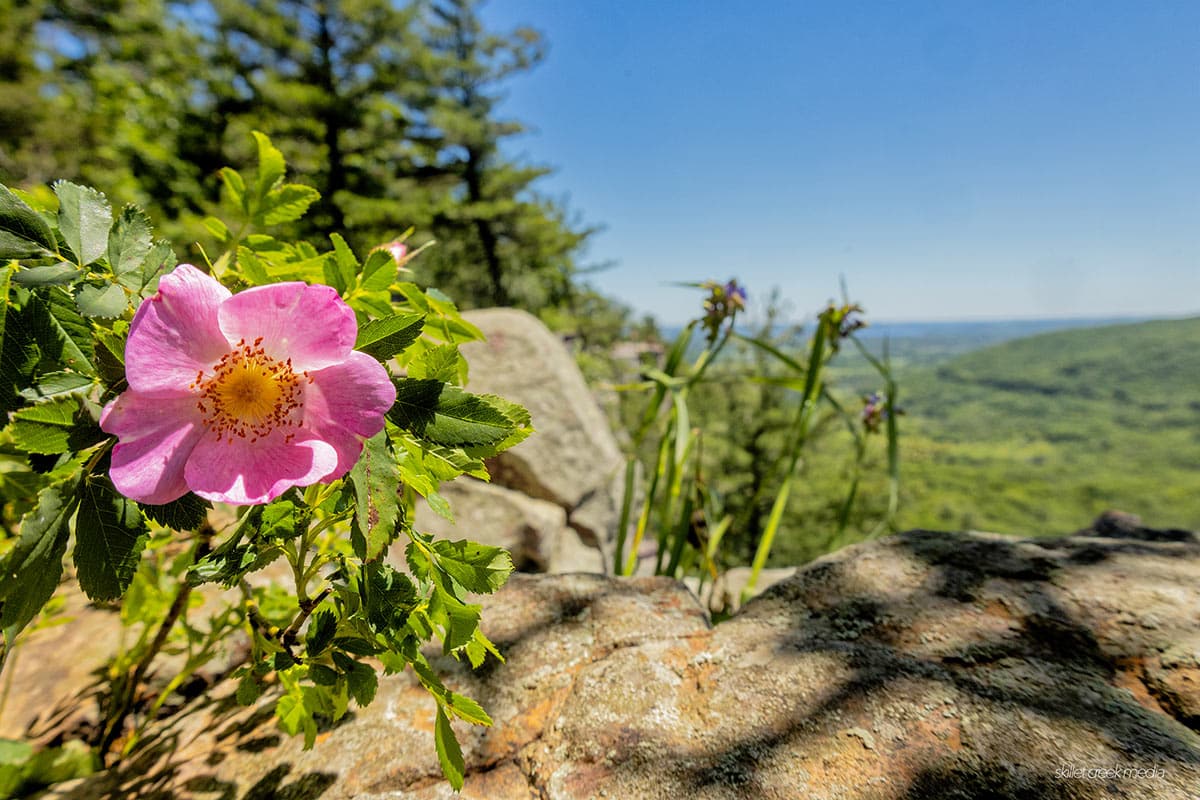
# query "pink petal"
(243, 474)
(157, 435)
(309, 324)
(175, 334)
(346, 403)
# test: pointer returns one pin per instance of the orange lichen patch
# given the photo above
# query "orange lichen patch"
(1129, 675)
(507, 737)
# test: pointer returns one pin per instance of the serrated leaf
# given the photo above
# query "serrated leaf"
(322, 675)
(248, 690)
(23, 232)
(110, 535)
(53, 427)
(56, 384)
(218, 229)
(440, 506)
(113, 339)
(361, 679)
(50, 275)
(30, 571)
(378, 272)
(106, 302)
(449, 753)
(280, 520)
(467, 709)
(388, 597)
(84, 219)
(292, 715)
(521, 423)
(235, 186)
(376, 512)
(385, 338)
(144, 279)
(287, 203)
(344, 263)
(320, 632)
(130, 241)
(459, 620)
(446, 414)
(62, 336)
(185, 514)
(440, 363)
(271, 166)
(355, 645)
(478, 568)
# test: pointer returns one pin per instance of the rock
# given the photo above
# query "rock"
(725, 594)
(922, 665)
(573, 458)
(535, 532)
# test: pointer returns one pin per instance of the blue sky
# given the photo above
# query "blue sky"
(953, 160)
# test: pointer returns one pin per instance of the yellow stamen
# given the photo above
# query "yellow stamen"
(249, 394)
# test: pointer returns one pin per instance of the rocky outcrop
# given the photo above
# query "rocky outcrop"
(573, 461)
(923, 665)
(534, 531)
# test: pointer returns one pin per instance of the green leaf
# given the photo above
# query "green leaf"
(218, 229)
(467, 709)
(322, 675)
(346, 265)
(113, 339)
(376, 514)
(84, 219)
(271, 167)
(51, 275)
(129, 242)
(384, 338)
(30, 571)
(439, 363)
(361, 679)
(478, 568)
(355, 645)
(57, 426)
(62, 336)
(235, 186)
(248, 690)
(144, 279)
(23, 232)
(110, 535)
(518, 417)
(56, 384)
(320, 632)
(287, 203)
(388, 597)
(107, 301)
(449, 753)
(185, 514)
(378, 272)
(292, 714)
(446, 414)
(459, 620)
(280, 520)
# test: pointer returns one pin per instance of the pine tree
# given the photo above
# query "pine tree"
(501, 241)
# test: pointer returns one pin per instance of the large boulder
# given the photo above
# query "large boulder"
(573, 459)
(923, 665)
(534, 531)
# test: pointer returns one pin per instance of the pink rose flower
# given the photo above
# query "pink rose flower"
(240, 397)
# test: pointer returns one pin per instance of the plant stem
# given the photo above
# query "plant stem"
(123, 704)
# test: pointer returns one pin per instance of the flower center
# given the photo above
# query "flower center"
(249, 394)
